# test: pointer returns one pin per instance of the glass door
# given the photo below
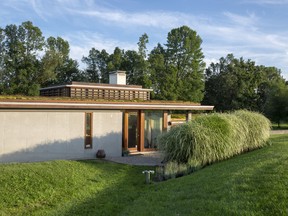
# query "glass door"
(132, 130)
(153, 128)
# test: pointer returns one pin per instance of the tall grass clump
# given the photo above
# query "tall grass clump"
(258, 129)
(214, 137)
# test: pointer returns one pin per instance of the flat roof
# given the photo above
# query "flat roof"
(99, 105)
(98, 86)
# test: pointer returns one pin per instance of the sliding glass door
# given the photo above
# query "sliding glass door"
(132, 130)
(153, 128)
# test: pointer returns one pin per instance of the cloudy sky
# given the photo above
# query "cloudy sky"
(253, 29)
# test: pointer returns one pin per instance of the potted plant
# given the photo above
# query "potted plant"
(125, 152)
(100, 153)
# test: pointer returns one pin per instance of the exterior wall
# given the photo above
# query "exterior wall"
(47, 135)
(112, 78)
(107, 132)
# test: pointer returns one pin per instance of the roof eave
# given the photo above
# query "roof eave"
(100, 106)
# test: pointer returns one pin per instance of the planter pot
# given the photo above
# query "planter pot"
(100, 153)
(125, 153)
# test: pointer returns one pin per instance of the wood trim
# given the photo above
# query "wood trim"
(125, 130)
(140, 130)
(149, 149)
(165, 121)
(141, 125)
(188, 115)
(88, 138)
(98, 106)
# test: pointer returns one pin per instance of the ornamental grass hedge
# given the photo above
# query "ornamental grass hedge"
(214, 137)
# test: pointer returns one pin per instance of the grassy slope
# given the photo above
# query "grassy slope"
(68, 188)
(255, 183)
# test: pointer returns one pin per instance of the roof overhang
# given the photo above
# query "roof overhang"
(101, 106)
(119, 87)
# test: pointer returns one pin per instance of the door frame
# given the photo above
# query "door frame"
(140, 130)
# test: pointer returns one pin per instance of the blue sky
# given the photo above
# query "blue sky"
(253, 29)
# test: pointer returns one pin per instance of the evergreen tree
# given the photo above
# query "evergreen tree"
(163, 76)
(177, 72)
(184, 53)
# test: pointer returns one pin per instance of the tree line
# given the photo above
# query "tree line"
(233, 84)
(28, 61)
(175, 70)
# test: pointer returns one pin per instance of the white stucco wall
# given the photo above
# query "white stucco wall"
(47, 135)
(107, 132)
(117, 78)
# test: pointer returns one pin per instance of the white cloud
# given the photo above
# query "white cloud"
(38, 8)
(88, 8)
(269, 2)
(237, 19)
(82, 42)
(157, 19)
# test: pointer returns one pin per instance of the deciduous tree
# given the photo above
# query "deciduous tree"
(232, 84)
(276, 106)
(20, 49)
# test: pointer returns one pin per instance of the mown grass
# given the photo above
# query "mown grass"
(68, 188)
(282, 126)
(254, 183)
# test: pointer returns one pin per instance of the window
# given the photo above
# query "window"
(153, 128)
(88, 130)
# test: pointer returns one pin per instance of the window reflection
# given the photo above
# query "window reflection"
(153, 128)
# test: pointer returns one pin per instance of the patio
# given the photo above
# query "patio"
(140, 159)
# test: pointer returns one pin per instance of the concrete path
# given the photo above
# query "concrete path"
(279, 132)
(142, 159)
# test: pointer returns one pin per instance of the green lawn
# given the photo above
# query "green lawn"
(283, 126)
(254, 183)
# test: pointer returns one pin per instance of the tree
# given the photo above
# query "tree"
(185, 55)
(232, 84)
(136, 65)
(19, 58)
(2, 61)
(102, 64)
(115, 60)
(55, 57)
(92, 71)
(163, 76)
(97, 66)
(276, 107)
(177, 71)
(129, 64)
(70, 72)
(27, 61)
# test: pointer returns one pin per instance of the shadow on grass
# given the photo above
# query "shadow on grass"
(124, 186)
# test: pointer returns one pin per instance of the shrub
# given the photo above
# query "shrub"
(172, 170)
(214, 137)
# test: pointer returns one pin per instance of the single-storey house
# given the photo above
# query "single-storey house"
(83, 119)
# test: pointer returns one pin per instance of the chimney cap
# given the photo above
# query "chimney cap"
(117, 72)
